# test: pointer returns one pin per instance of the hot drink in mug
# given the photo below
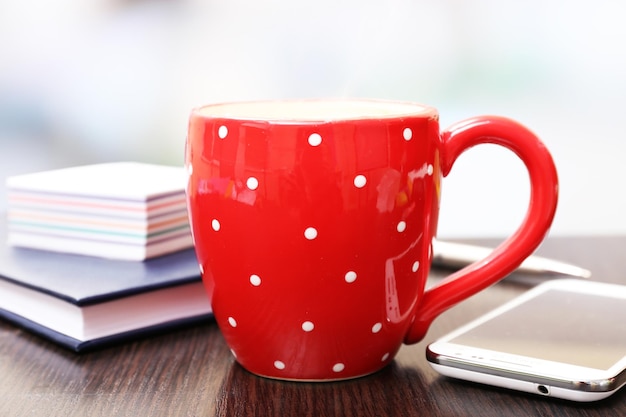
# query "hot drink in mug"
(313, 223)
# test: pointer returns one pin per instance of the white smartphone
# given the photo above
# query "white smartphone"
(564, 338)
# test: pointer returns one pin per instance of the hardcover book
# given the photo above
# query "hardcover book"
(83, 302)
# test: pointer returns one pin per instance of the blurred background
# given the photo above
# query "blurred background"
(106, 80)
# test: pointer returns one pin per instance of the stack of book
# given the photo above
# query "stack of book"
(121, 210)
(78, 255)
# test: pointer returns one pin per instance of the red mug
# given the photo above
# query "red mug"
(313, 224)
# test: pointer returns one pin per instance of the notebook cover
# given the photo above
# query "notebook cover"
(88, 345)
(84, 280)
(130, 181)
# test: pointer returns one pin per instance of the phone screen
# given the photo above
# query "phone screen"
(562, 326)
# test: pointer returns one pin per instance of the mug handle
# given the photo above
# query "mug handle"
(513, 251)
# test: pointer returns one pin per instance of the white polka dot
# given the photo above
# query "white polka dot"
(376, 328)
(201, 269)
(360, 181)
(401, 226)
(233, 352)
(338, 367)
(416, 266)
(189, 169)
(407, 134)
(279, 365)
(385, 357)
(308, 326)
(215, 224)
(430, 169)
(222, 132)
(232, 322)
(350, 277)
(310, 233)
(252, 183)
(315, 139)
(255, 280)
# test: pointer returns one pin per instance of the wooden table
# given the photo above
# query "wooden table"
(190, 372)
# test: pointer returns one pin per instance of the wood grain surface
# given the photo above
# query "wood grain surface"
(190, 372)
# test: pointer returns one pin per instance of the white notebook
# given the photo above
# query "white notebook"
(121, 210)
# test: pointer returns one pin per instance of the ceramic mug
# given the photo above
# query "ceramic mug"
(313, 224)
